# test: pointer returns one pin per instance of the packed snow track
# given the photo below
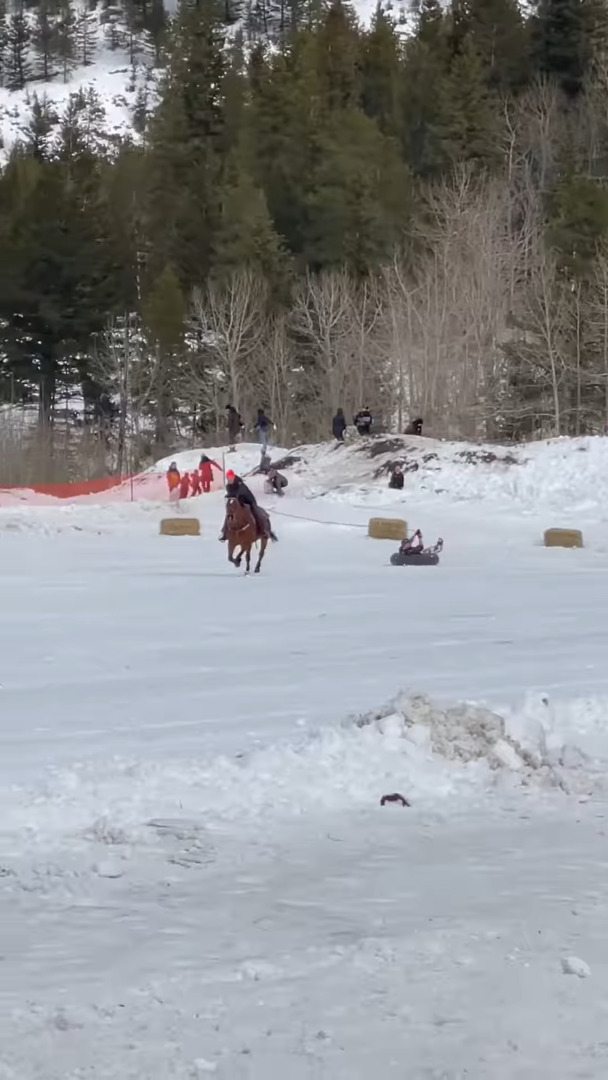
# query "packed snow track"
(196, 875)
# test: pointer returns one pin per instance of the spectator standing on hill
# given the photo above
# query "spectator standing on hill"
(415, 427)
(206, 467)
(262, 426)
(234, 425)
(173, 479)
(184, 486)
(338, 425)
(195, 483)
(396, 478)
(363, 421)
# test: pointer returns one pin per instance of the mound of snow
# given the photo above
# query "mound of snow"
(569, 475)
(432, 754)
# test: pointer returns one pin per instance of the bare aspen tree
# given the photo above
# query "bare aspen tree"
(543, 347)
(281, 378)
(125, 367)
(595, 306)
(336, 327)
(228, 322)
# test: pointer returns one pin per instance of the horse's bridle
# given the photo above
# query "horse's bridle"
(229, 516)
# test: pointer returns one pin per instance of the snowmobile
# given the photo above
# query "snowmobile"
(415, 554)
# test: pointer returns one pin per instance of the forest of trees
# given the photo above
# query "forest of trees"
(411, 217)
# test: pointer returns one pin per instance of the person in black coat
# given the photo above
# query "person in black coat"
(396, 478)
(236, 488)
(338, 425)
(415, 427)
(363, 421)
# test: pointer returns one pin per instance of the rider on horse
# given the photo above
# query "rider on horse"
(236, 488)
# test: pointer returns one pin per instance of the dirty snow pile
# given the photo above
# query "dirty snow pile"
(561, 474)
(527, 743)
(432, 754)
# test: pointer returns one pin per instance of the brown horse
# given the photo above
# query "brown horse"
(243, 531)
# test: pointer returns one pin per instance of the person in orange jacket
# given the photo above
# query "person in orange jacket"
(184, 486)
(173, 481)
(195, 482)
(206, 466)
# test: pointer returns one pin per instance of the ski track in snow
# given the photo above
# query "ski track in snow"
(196, 876)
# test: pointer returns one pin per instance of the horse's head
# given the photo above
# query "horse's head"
(237, 515)
(233, 507)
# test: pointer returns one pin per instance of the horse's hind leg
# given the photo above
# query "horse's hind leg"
(263, 546)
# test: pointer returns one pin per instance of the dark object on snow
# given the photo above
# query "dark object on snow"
(397, 478)
(286, 462)
(338, 425)
(415, 427)
(394, 798)
(363, 421)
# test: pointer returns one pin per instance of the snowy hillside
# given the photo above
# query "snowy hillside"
(106, 78)
(199, 875)
(111, 78)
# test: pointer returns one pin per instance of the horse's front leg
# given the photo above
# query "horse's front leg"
(232, 546)
(248, 560)
(263, 546)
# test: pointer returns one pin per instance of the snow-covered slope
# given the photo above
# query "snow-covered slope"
(560, 475)
(197, 874)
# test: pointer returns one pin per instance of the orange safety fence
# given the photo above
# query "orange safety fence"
(107, 489)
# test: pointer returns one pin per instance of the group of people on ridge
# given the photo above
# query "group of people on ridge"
(363, 422)
(235, 425)
(196, 482)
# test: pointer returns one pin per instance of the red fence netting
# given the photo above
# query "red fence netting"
(107, 489)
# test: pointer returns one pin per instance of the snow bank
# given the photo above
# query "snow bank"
(563, 476)
(433, 755)
(569, 475)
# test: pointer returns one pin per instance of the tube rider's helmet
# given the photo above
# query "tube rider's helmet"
(230, 476)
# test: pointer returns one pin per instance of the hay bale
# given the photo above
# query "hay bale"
(387, 529)
(565, 538)
(180, 526)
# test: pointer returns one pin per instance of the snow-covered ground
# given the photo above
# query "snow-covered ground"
(196, 874)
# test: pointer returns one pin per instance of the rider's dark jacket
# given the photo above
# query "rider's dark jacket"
(237, 489)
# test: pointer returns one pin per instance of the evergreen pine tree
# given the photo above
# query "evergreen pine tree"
(245, 235)
(497, 31)
(187, 148)
(472, 120)
(18, 70)
(85, 35)
(562, 32)
(66, 38)
(44, 40)
(39, 128)
(359, 200)
(380, 66)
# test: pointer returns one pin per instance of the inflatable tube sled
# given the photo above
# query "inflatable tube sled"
(424, 558)
(418, 557)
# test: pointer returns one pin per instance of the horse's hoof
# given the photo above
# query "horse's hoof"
(257, 570)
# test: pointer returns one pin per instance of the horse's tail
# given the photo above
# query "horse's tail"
(274, 537)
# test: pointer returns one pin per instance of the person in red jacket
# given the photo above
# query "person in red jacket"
(195, 482)
(206, 467)
(184, 486)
